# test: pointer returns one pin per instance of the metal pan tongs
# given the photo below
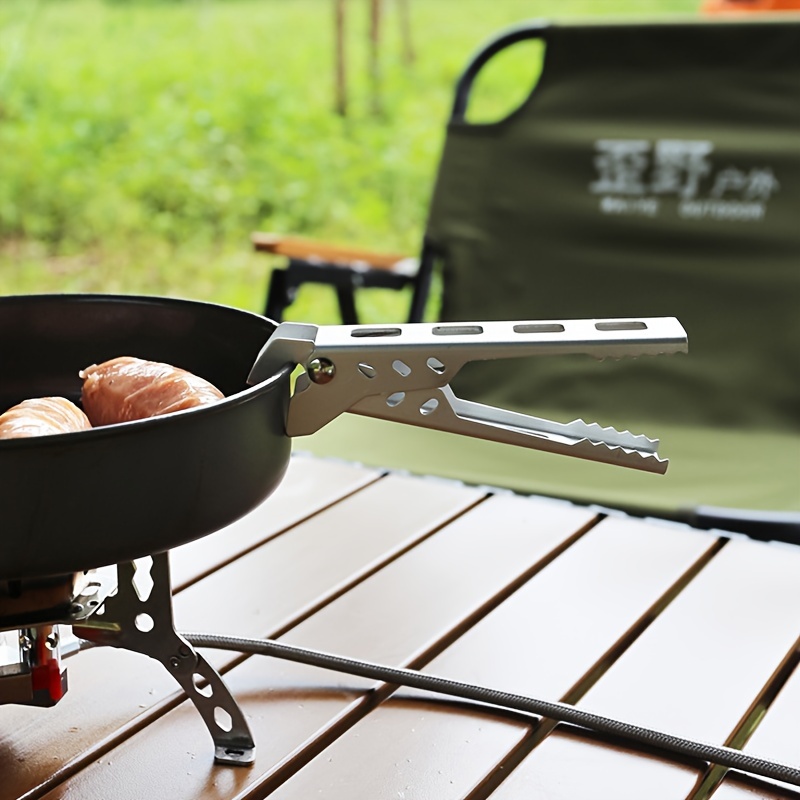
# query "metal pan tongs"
(402, 372)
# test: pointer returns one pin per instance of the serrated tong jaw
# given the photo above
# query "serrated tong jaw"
(402, 372)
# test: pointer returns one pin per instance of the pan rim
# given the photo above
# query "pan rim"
(151, 299)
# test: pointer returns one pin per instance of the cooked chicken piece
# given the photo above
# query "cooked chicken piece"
(126, 389)
(42, 416)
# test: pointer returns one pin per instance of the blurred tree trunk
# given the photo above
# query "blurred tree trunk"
(374, 55)
(340, 60)
(374, 50)
(409, 55)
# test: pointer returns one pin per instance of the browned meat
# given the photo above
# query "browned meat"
(126, 389)
(42, 416)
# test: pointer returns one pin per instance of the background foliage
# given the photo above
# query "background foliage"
(142, 141)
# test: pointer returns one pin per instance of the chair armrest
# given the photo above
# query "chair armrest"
(307, 249)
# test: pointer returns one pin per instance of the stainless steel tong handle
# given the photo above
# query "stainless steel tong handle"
(401, 373)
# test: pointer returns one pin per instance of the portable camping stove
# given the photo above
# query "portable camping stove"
(129, 606)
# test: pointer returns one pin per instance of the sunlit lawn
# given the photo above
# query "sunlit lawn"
(141, 142)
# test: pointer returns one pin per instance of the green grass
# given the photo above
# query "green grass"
(141, 142)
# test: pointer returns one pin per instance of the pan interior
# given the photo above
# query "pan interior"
(45, 341)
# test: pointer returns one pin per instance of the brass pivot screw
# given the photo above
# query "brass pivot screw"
(321, 371)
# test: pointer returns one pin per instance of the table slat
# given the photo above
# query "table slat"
(408, 750)
(308, 486)
(738, 788)
(559, 626)
(273, 586)
(777, 737)
(701, 664)
(569, 766)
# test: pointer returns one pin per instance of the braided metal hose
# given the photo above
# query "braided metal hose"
(561, 712)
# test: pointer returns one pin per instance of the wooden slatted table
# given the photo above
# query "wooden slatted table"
(690, 632)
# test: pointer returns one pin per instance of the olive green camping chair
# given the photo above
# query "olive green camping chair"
(653, 171)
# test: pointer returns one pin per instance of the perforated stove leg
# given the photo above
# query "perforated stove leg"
(139, 618)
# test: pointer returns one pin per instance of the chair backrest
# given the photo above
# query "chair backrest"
(654, 170)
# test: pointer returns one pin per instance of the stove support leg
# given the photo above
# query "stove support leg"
(139, 617)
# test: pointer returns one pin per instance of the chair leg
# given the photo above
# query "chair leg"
(278, 297)
(422, 285)
(347, 303)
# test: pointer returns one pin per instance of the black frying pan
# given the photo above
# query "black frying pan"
(80, 500)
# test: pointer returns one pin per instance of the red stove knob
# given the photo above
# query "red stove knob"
(49, 682)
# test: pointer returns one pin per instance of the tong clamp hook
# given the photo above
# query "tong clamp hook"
(402, 373)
